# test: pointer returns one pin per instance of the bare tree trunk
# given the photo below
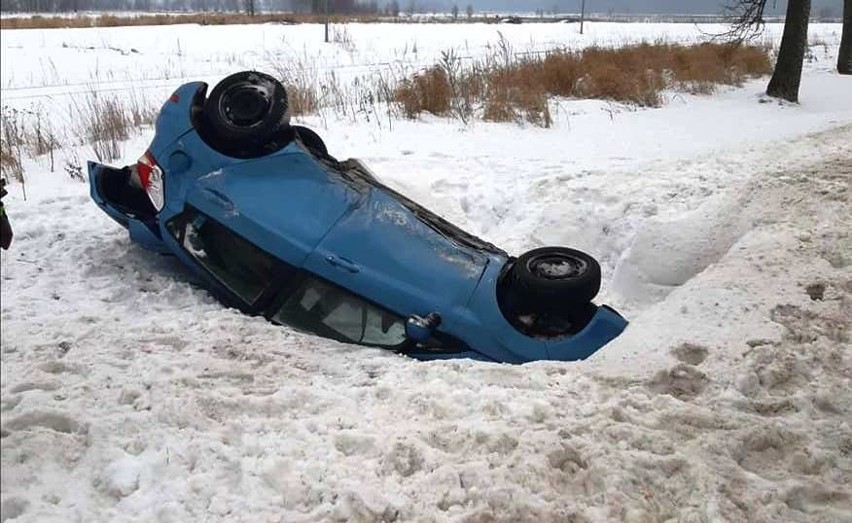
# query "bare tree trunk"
(844, 57)
(788, 69)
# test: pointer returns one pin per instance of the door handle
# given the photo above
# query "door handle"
(216, 196)
(342, 263)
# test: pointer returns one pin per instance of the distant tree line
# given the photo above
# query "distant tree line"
(375, 7)
(65, 6)
(335, 6)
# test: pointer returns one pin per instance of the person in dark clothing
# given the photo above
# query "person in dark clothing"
(5, 227)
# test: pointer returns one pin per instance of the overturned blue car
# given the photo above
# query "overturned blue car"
(276, 226)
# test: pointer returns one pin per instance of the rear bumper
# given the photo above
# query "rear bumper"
(114, 191)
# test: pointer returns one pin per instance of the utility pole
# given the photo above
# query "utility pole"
(582, 15)
(326, 21)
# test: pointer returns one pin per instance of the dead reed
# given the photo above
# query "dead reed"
(508, 89)
(106, 120)
(12, 140)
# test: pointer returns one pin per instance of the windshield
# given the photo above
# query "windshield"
(327, 310)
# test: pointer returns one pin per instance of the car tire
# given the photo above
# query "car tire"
(245, 113)
(554, 279)
(311, 140)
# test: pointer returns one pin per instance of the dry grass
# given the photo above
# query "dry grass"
(324, 92)
(340, 35)
(105, 124)
(301, 84)
(24, 134)
(446, 89)
(10, 162)
(303, 100)
(427, 92)
(505, 103)
(518, 90)
(102, 121)
(54, 22)
(140, 110)
(106, 121)
(12, 140)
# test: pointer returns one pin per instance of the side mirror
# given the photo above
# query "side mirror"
(419, 328)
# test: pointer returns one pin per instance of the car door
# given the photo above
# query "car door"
(285, 204)
(383, 252)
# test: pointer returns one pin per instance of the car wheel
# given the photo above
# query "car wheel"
(311, 140)
(245, 112)
(554, 279)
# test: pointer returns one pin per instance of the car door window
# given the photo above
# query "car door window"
(327, 310)
(240, 266)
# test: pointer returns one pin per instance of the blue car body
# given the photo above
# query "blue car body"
(338, 224)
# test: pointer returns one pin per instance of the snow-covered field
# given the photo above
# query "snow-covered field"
(722, 224)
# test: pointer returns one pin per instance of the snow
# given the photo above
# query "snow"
(723, 229)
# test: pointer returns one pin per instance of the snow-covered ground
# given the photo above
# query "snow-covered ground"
(722, 224)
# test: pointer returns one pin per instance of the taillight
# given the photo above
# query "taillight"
(151, 177)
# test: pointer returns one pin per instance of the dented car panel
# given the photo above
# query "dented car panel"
(396, 258)
(292, 224)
